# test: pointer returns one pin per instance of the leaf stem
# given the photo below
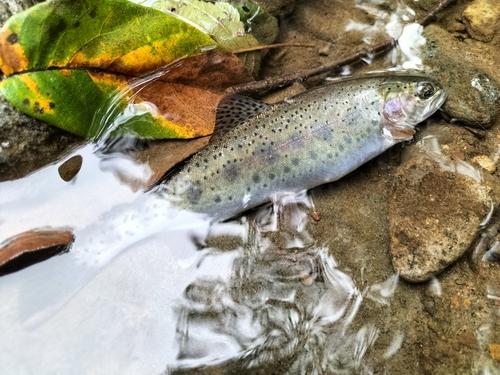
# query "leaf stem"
(278, 45)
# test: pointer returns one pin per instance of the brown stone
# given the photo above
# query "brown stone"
(481, 19)
(434, 215)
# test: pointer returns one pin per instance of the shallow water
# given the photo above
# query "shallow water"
(149, 289)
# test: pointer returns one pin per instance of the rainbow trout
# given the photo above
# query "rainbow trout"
(316, 137)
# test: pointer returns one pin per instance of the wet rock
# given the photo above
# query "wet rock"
(10, 7)
(481, 18)
(70, 168)
(27, 144)
(473, 95)
(434, 212)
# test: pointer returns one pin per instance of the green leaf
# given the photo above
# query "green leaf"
(66, 60)
(221, 21)
(263, 26)
(112, 35)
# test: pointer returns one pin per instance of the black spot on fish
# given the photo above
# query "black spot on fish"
(217, 199)
(313, 155)
(26, 101)
(295, 161)
(12, 39)
(347, 138)
(327, 135)
(193, 193)
(341, 148)
(287, 170)
(231, 173)
(330, 156)
(256, 178)
(52, 105)
(272, 176)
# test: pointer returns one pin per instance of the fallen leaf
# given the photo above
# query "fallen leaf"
(77, 64)
(32, 247)
(162, 155)
(220, 20)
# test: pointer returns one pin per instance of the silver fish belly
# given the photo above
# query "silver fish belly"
(316, 137)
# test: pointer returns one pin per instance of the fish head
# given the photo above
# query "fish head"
(407, 101)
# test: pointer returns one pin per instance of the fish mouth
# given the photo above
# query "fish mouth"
(440, 96)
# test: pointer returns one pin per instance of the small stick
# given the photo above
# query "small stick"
(278, 45)
(287, 79)
(432, 14)
(274, 82)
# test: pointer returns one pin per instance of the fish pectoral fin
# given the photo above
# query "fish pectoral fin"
(233, 110)
(399, 133)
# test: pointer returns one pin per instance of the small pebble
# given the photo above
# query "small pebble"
(485, 162)
(70, 168)
(494, 351)
(306, 279)
(324, 51)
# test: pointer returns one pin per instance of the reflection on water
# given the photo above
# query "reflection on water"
(164, 301)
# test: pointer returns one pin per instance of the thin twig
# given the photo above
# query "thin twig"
(278, 45)
(287, 79)
(432, 14)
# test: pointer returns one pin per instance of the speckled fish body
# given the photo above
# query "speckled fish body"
(313, 138)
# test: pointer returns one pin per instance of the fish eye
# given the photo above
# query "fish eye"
(425, 90)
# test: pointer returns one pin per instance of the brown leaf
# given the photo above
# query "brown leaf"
(191, 109)
(189, 92)
(213, 70)
(32, 247)
(161, 156)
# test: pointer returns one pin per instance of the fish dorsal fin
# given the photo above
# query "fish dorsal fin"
(233, 110)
